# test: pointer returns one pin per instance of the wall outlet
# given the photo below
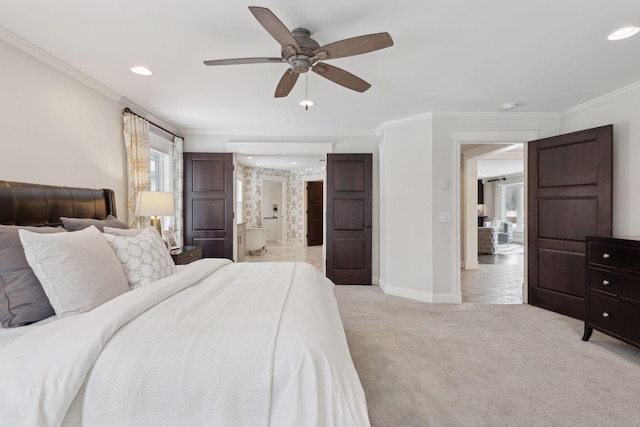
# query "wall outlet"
(445, 216)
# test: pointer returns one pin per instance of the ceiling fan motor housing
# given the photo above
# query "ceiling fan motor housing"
(302, 62)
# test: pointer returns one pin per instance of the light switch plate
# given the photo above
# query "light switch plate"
(445, 216)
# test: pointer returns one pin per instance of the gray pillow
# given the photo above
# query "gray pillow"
(22, 299)
(75, 224)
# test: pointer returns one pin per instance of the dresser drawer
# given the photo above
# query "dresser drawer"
(624, 257)
(614, 317)
(622, 285)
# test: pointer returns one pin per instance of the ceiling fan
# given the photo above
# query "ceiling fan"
(303, 53)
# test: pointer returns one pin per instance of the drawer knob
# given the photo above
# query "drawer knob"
(605, 255)
(605, 282)
(605, 314)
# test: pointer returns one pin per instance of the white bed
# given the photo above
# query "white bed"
(217, 343)
(137, 342)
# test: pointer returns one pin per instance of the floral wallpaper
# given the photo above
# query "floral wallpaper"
(252, 197)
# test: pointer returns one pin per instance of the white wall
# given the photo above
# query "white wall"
(56, 130)
(623, 111)
(418, 251)
(406, 242)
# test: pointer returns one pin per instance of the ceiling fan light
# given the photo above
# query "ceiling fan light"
(623, 33)
(307, 103)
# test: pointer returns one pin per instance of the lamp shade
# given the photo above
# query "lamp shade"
(155, 203)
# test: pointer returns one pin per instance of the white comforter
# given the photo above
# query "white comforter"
(218, 344)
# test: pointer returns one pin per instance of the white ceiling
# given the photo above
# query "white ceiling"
(453, 56)
(499, 168)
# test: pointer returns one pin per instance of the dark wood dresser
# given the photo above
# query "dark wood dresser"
(612, 292)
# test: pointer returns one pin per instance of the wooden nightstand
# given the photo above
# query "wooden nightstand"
(186, 255)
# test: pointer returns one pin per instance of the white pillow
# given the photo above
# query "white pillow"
(144, 257)
(78, 271)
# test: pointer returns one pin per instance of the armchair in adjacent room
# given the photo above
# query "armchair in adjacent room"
(505, 232)
(487, 240)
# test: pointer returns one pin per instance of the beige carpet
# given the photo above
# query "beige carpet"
(485, 365)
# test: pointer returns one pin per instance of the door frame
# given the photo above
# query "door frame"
(483, 137)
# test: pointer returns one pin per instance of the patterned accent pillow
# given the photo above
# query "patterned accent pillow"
(144, 257)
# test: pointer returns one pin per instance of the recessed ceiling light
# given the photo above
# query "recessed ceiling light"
(623, 33)
(257, 164)
(143, 71)
(294, 163)
(250, 157)
(509, 106)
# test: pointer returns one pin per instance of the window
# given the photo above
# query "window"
(160, 169)
(160, 161)
(512, 205)
(238, 201)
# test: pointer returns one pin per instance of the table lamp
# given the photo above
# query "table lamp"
(155, 204)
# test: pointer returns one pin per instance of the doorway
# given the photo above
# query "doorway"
(274, 205)
(314, 213)
(492, 228)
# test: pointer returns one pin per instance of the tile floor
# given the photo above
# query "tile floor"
(310, 254)
(498, 279)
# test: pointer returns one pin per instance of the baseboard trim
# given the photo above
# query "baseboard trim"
(419, 296)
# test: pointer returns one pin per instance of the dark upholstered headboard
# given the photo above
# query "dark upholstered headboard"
(39, 205)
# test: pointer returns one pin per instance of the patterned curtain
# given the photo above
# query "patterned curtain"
(136, 141)
(178, 176)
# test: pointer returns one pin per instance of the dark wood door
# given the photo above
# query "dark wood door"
(349, 218)
(569, 184)
(315, 216)
(208, 203)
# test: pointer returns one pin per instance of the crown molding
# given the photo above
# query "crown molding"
(269, 136)
(33, 50)
(600, 100)
(496, 115)
(403, 121)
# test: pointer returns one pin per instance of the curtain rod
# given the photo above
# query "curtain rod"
(128, 110)
(497, 179)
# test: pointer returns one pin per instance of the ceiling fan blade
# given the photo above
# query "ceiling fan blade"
(275, 27)
(288, 80)
(341, 77)
(356, 45)
(243, 61)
